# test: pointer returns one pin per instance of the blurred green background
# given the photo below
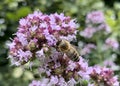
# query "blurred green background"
(12, 10)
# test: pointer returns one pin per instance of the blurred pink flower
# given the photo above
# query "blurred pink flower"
(108, 63)
(35, 83)
(104, 27)
(112, 43)
(91, 84)
(88, 32)
(95, 17)
(95, 22)
(87, 49)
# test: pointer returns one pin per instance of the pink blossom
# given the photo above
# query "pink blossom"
(83, 64)
(51, 40)
(104, 27)
(95, 22)
(41, 69)
(91, 84)
(35, 83)
(112, 43)
(69, 37)
(11, 45)
(88, 32)
(60, 17)
(72, 24)
(22, 38)
(57, 64)
(87, 49)
(62, 82)
(71, 82)
(65, 25)
(24, 55)
(84, 75)
(104, 75)
(71, 66)
(109, 63)
(35, 14)
(97, 69)
(95, 17)
(48, 72)
(43, 25)
(54, 80)
(23, 22)
(33, 28)
(115, 82)
(43, 82)
(13, 61)
(40, 53)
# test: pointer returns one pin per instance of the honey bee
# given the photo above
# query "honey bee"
(67, 48)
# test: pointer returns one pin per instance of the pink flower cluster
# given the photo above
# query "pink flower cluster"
(87, 49)
(104, 76)
(51, 82)
(88, 32)
(61, 71)
(111, 42)
(95, 22)
(36, 83)
(38, 30)
(95, 17)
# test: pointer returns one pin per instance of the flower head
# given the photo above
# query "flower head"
(112, 43)
(37, 30)
(88, 32)
(96, 17)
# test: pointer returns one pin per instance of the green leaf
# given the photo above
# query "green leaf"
(22, 12)
(11, 16)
